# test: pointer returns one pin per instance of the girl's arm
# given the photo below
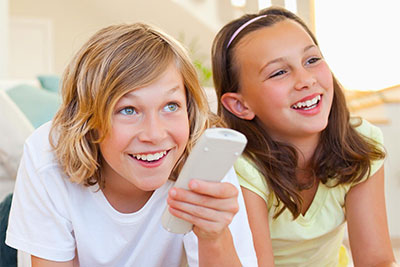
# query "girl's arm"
(257, 213)
(367, 223)
(210, 207)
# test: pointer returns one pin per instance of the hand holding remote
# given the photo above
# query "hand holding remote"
(210, 160)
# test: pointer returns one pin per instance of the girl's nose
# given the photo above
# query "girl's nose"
(154, 130)
(305, 79)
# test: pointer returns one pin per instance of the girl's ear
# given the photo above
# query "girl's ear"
(235, 104)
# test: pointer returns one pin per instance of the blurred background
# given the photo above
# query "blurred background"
(38, 38)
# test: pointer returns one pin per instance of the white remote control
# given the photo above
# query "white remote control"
(211, 158)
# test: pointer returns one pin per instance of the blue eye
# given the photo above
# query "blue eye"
(128, 111)
(171, 107)
(313, 60)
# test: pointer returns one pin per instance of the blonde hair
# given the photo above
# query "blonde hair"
(116, 60)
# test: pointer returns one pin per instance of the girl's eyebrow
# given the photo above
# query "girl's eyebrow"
(282, 58)
(279, 59)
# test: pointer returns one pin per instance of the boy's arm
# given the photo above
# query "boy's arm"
(218, 252)
(210, 207)
(235, 240)
(39, 262)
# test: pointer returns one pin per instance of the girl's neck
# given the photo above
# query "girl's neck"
(305, 147)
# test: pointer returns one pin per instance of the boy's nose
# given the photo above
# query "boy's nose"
(153, 130)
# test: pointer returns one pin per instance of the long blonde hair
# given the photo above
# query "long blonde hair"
(116, 60)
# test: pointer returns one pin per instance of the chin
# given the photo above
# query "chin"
(153, 185)
(314, 130)
(319, 125)
(319, 130)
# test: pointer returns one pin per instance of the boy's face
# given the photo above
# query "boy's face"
(150, 130)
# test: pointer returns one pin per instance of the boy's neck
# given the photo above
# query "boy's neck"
(123, 195)
(126, 201)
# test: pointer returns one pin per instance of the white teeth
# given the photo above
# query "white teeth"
(150, 157)
(307, 104)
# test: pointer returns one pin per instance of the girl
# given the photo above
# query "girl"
(93, 183)
(308, 168)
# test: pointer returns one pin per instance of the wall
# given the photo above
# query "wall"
(391, 133)
(382, 109)
(3, 38)
(74, 21)
(33, 57)
(194, 22)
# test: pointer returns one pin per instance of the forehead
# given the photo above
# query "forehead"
(272, 41)
(169, 81)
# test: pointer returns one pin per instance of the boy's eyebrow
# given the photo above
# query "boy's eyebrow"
(169, 91)
(309, 47)
(173, 89)
(282, 58)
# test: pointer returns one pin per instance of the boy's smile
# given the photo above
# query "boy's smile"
(151, 157)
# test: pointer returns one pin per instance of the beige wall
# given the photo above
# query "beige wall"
(74, 21)
(3, 38)
(391, 133)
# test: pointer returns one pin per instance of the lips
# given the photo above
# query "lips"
(150, 157)
(308, 102)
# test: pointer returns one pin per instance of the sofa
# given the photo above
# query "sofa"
(24, 106)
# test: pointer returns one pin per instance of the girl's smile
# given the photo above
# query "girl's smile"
(309, 105)
(307, 102)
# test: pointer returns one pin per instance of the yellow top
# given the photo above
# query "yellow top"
(314, 239)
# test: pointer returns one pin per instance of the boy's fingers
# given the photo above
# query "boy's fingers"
(187, 196)
(214, 189)
(209, 206)
(201, 216)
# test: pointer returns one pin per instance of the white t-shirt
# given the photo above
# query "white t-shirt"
(55, 219)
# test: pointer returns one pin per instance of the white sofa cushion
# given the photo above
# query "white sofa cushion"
(15, 128)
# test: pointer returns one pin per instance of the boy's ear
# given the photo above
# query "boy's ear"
(235, 104)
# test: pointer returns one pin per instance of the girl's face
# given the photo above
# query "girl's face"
(150, 130)
(284, 81)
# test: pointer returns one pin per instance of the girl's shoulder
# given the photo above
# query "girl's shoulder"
(367, 129)
(373, 133)
(251, 178)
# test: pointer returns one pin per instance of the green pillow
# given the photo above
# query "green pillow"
(49, 82)
(38, 105)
